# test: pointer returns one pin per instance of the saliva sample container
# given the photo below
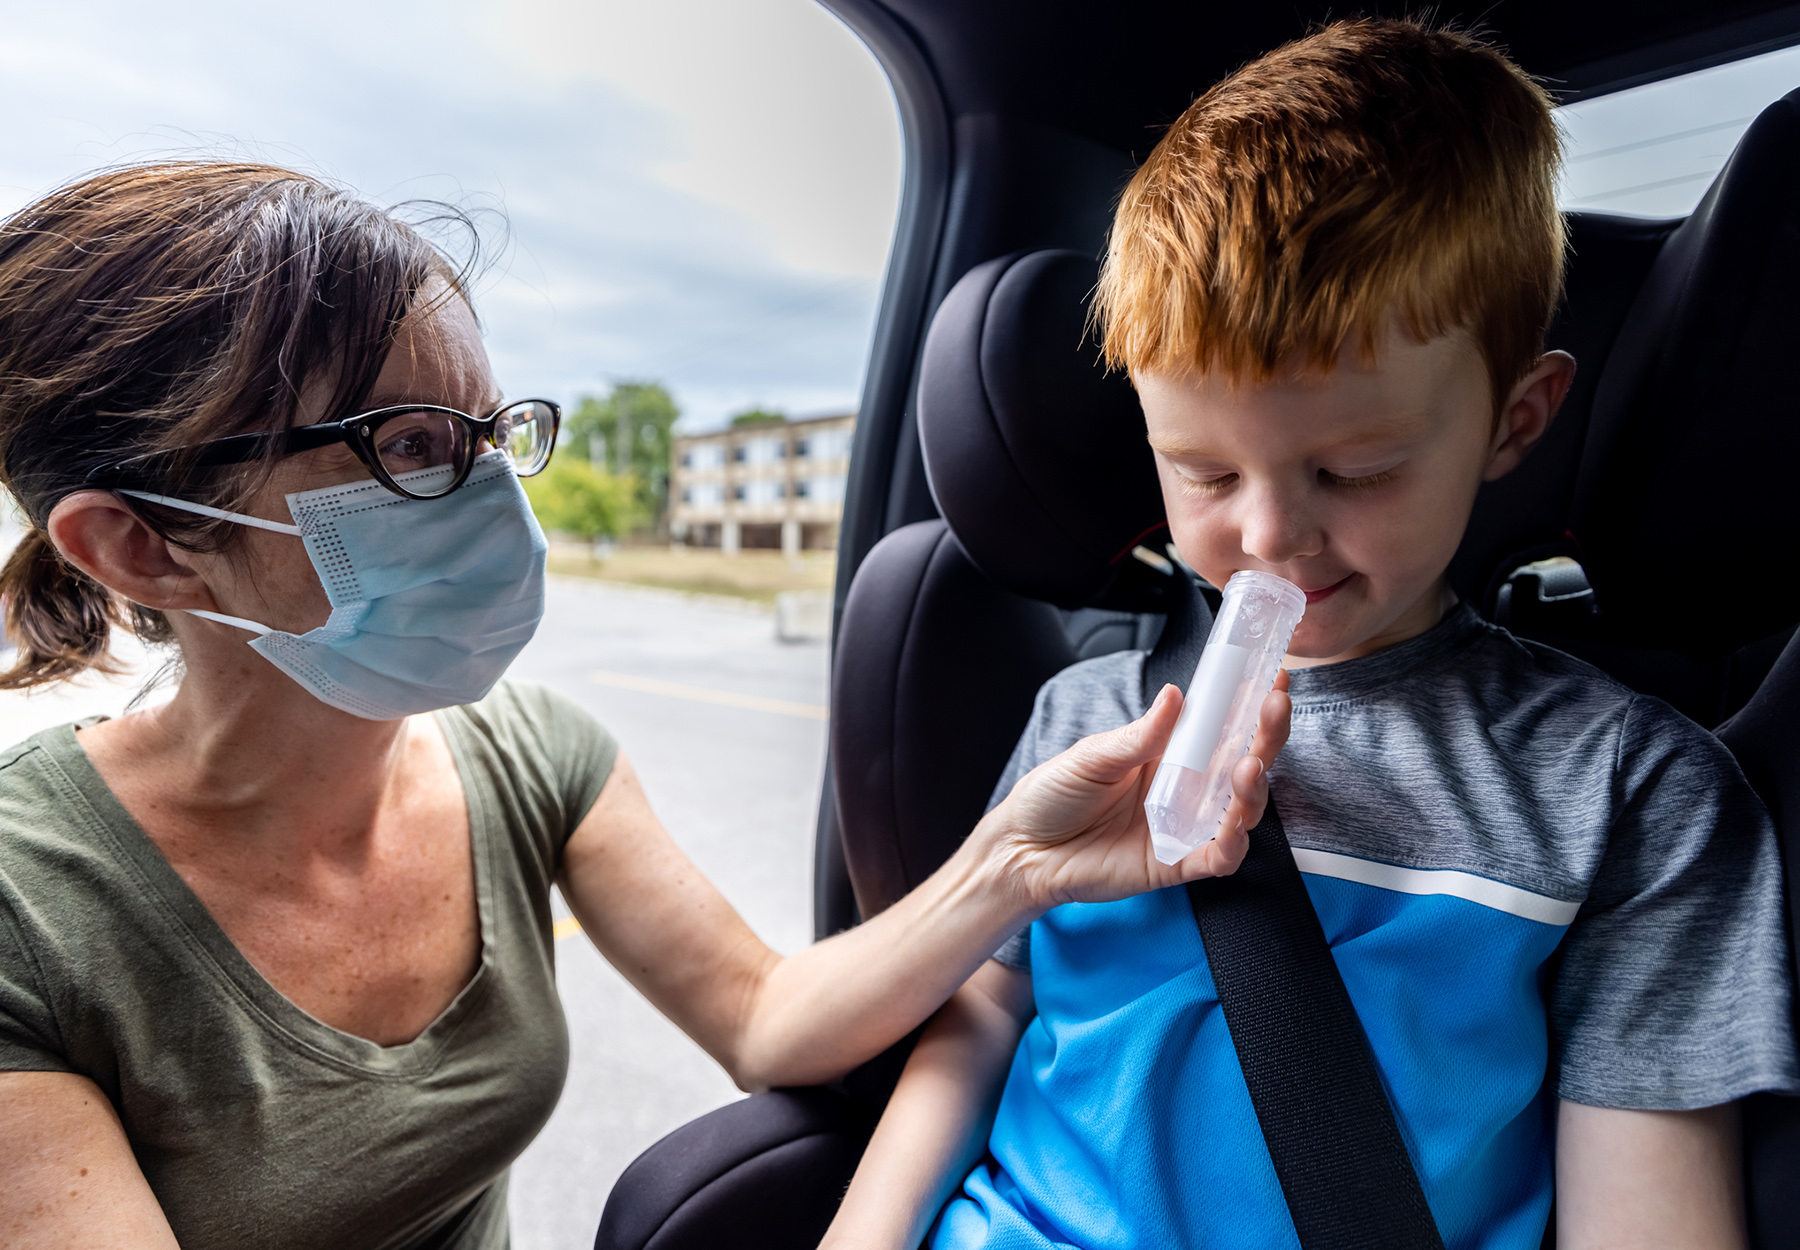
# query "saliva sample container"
(1192, 788)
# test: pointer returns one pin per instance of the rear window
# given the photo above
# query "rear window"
(1653, 150)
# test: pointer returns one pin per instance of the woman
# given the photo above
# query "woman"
(275, 957)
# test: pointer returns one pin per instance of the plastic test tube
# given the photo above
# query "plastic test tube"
(1187, 800)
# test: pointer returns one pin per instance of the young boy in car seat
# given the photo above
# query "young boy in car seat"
(1330, 284)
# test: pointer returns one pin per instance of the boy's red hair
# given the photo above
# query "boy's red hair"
(1373, 169)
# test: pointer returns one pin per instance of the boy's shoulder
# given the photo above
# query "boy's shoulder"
(1533, 697)
(1467, 671)
(1088, 697)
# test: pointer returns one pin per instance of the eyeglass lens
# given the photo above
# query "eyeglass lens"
(526, 432)
(410, 442)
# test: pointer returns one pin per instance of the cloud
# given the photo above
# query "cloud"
(685, 201)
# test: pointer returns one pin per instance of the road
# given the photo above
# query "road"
(725, 727)
(737, 786)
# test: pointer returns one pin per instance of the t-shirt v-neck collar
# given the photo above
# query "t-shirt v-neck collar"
(203, 935)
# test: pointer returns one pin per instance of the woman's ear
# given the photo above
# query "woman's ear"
(111, 544)
(1528, 412)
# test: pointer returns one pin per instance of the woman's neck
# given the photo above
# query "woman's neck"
(245, 752)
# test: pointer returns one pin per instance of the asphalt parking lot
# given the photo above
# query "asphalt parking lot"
(726, 727)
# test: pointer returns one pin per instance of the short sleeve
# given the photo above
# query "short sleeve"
(1674, 990)
(584, 754)
(1015, 952)
(28, 1033)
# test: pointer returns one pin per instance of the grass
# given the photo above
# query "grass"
(754, 575)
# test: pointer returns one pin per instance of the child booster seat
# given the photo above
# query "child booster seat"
(1661, 483)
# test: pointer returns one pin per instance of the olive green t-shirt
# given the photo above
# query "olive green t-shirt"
(255, 1124)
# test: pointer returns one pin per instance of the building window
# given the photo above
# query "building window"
(823, 489)
(763, 491)
(826, 445)
(765, 450)
(737, 493)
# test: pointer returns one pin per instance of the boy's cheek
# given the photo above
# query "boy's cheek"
(1210, 549)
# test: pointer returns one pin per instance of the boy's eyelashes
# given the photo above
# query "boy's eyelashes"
(1357, 482)
(1212, 485)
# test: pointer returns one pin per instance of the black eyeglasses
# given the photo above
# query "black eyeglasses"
(421, 451)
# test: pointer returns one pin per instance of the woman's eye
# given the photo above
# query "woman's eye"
(408, 446)
(1363, 481)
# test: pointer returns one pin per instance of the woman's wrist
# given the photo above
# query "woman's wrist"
(999, 870)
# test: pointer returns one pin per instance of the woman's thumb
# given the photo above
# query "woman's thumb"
(1113, 754)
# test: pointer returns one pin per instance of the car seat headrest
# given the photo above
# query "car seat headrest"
(1686, 512)
(1035, 454)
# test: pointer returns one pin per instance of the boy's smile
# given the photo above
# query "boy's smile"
(1354, 484)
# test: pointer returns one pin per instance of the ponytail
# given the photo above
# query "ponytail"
(59, 617)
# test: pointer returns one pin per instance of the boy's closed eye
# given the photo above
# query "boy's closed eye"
(1357, 479)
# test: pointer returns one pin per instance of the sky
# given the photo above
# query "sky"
(697, 192)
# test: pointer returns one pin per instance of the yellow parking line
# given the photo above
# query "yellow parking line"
(700, 694)
(565, 928)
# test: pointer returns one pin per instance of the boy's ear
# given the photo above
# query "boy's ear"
(1528, 412)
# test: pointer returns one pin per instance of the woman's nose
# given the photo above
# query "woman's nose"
(1276, 526)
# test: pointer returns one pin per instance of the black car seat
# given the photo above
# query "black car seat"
(1038, 466)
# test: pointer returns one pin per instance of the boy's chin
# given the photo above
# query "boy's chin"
(1349, 625)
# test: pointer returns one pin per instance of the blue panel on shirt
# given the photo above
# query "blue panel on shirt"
(1125, 1122)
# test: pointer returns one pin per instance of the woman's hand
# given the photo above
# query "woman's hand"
(1073, 828)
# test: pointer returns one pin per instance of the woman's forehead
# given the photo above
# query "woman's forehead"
(438, 357)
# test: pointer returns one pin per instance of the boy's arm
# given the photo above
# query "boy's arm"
(936, 1124)
(1649, 1180)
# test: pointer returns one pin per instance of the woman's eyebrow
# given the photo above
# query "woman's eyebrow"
(399, 399)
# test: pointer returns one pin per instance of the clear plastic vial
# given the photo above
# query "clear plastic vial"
(1187, 800)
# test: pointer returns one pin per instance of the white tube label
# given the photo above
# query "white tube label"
(1209, 697)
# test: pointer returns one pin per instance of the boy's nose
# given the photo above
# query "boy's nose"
(1275, 528)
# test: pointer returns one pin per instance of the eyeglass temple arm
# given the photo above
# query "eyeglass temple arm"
(237, 449)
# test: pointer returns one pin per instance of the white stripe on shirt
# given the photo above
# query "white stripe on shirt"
(1465, 885)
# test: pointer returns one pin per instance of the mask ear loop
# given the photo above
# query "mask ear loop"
(237, 621)
(220, 513)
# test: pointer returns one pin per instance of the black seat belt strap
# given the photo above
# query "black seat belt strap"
(1330, 1129)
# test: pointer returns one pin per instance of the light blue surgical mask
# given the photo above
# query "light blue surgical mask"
(431, 599)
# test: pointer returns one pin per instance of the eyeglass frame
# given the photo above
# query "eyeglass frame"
(354, 431)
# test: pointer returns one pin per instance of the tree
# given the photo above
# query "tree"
(575, 497)
(586, 430)
(759, 416)
(631, 429)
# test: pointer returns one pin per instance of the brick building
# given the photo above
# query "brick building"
(778, 485)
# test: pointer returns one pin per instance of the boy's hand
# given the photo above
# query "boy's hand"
(1074, 827)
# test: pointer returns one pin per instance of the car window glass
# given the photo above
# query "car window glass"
(686, 208)
(1653, 150)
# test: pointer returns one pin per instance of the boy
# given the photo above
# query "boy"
(1330, 284)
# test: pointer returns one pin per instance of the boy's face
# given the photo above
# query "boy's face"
(1355, 484)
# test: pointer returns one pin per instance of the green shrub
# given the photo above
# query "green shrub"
(576, 498)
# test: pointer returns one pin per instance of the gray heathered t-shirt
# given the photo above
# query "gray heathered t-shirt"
(1536, 778)
(255, 1124)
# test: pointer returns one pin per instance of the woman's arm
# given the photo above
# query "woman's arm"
(937, 1122)
(1072, 829)
(71, 1182)
(1648, 1180)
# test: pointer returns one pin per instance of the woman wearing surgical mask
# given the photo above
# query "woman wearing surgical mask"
(275, 957)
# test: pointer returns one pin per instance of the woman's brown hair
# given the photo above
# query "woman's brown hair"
(151, 308)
